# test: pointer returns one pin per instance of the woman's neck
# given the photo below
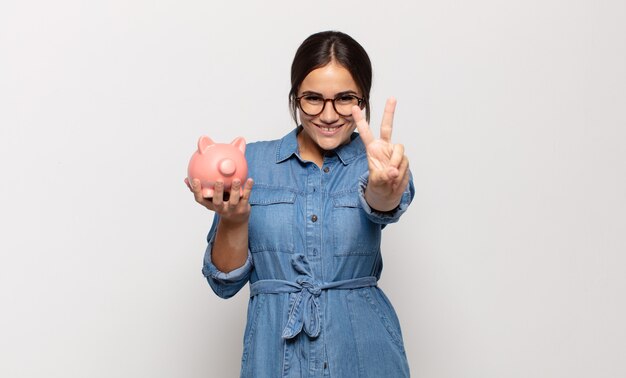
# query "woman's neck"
(309, 150)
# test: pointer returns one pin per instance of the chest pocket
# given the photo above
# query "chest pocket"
(272, 217)
(353, 233)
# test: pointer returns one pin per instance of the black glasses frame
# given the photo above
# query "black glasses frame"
(360, 104)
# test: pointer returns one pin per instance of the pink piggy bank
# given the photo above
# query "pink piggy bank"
(218, 161)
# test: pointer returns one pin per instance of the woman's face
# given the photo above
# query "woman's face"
(327, 130)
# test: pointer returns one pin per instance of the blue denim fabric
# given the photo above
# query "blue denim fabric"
(314, 258)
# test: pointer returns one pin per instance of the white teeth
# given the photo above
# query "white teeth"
(328, 129)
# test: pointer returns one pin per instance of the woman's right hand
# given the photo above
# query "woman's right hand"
(235, 210)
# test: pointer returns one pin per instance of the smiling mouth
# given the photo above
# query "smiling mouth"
(329, 129)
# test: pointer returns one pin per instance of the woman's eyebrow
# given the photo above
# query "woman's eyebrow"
(311, 93)
(348, 92)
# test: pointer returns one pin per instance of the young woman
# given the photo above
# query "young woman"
(306, 233)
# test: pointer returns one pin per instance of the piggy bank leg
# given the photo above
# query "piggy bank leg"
(207, 192)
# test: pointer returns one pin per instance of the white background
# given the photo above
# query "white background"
(510, 262)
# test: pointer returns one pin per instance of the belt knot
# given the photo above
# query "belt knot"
(304, 313)
(311, 286)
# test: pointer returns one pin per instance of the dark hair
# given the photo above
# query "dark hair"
(320, 49)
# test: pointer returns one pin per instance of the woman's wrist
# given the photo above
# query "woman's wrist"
(381, 203)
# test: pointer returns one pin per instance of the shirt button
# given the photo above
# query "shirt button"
(314, 218)
(326, 169)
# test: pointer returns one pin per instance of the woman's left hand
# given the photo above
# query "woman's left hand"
(388, 166)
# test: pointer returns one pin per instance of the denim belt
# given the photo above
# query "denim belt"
(305, 312)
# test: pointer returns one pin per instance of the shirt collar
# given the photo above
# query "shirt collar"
(288, 147)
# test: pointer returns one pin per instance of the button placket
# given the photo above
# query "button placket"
(313, 208)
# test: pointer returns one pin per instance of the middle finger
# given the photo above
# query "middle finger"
(218, 194)
(234, 193)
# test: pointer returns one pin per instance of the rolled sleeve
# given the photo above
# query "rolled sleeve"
(225, 285)
(387, 216)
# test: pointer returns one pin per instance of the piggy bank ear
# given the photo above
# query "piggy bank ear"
(240, 143)
(203, 143)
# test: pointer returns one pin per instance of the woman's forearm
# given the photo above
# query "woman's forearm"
(230, 248)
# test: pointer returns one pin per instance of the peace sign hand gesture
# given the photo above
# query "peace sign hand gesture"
(388, 166)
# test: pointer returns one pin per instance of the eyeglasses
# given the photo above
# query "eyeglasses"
(313, 105)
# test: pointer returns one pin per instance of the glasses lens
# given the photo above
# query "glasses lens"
(344, 104)
(311, 105)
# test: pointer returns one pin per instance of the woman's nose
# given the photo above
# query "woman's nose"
(329, 115)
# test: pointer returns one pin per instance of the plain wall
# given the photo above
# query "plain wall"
(509, 263)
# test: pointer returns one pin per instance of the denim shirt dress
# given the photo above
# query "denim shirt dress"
(314, 259)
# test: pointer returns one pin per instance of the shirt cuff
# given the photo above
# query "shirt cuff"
(386, 217)
(210, 270)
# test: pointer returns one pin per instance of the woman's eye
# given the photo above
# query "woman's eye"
(345, 99)
(313, 99)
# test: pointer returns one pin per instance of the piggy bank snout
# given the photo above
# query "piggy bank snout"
(227, 167)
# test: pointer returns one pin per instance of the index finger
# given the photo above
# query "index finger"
(387, 124)
(362, 126)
